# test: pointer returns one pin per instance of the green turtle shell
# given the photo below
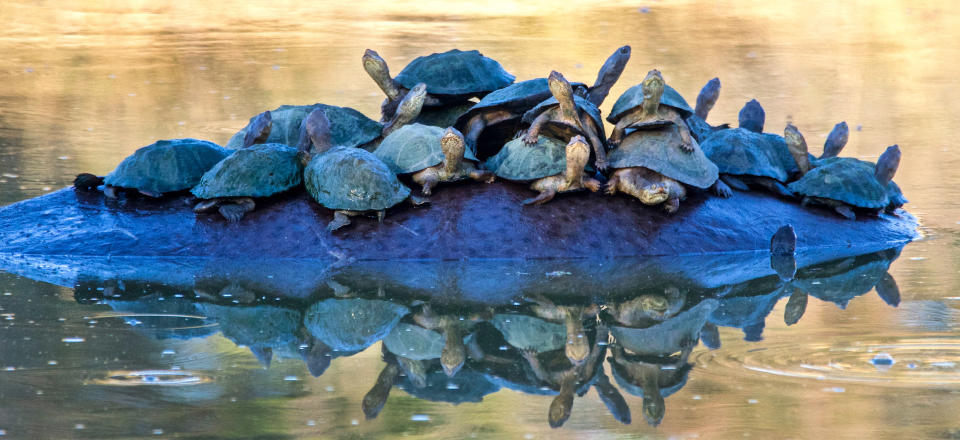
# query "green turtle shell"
(455, 72)
(352, 324)
(529, 333)
(414, 342)
(517, 161)
(659, 150)
(743, 152)
(633, 98)
(348, 127)
(843, 179)
(263, 326)
(167, 165)
(666, 389)
(257, 171)
(582, 104)
(893, 190)
(352, 179)
(414, 147)
(515, 98)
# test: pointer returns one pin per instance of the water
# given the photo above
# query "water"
(86, 83)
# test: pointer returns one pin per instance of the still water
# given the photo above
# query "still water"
(197, 349)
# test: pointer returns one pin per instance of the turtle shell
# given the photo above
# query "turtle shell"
(743, 152)
(893, 190)
(263, 326)
(348, 127)
(352, 179)
(414, 147)
(666, 389)
(352, 324)
(844, 179)
(414, 342)
(529, 333)
(633, 98)
(517, 161)
(167, 165)
(582, 104)
(668, 336)
(465, 386)
(455, 72)
(518, 97)
(258, 171)
(659, 150)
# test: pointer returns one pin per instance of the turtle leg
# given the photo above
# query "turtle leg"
(533, 132)
(381, 214)
(592, 184)
(721, 189)
(150, 194)
(484, 176)
(671, 205)
(545, 196)
(734, 182)
(686, 142)
(340, 219)
(612, 398)
(235, 210)
(591, 131)
(418, 201)
(475, 126)
(612, 184)
(845, 211)
(777, 188)
(427, 178)
(110, 191)
(618, 130)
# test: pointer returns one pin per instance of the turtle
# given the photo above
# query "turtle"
(508, 104)
(451, 77)
(664, 106)
(350, 181)
(564, 116)
(554, 167)
(745, 157)
(648, 165)
(352, 324)
(455, 332)
(431, 154)
(697, 121)
(259, 328)
(843, 184)
(260, 170)
(164, 166)
(418, 343)
(647, 309)
(348, 127)
(577, 347)
(653, 378)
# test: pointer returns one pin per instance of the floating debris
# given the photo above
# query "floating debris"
(420, 418)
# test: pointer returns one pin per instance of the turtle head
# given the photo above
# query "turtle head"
(561, 405)
(798, 147)
(408, 109)
(836, 140)
(783, 246)
(377, 68)
(608, 75)
(707, 98)
(654, 194)
(653, 405)
(258, 129)
(87, 181)
(578, 154)
(887, 164)
(796, 306)
(652, 90)
(752, 116)
(315, 135)
(452, 357)
(563, 91)
(453, 146)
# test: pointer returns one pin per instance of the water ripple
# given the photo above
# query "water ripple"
(152, 378)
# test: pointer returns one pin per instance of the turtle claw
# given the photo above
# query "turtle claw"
(233, 213)
(613, 142)
(686, 147)
(531, 139)
(602, 165)
(419, 201)
(610, 189)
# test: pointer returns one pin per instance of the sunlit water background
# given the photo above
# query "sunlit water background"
(84, 83)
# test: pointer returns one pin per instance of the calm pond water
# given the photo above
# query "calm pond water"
(201, 349)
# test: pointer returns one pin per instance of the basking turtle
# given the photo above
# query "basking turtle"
(431, 154)
(348, 127)
(650, 103)
(352, 324)
(843, 184)
(745, 157)
(164, 166)
(577, 347)
(565, 116)
(348, 180)
(451, 77)
(552, 166)
(697, 121)
(649, 166)
(653, 378)
(257, 171)
(508, 104)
